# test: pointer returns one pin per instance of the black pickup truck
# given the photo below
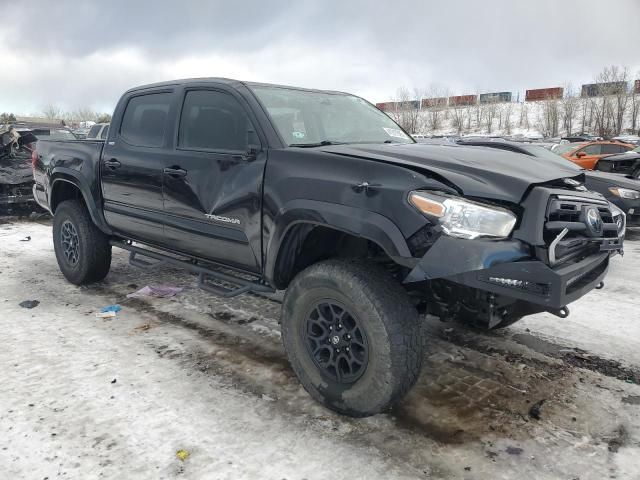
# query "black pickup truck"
(260, 187)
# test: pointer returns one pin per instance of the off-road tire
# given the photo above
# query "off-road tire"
(384, 312)
(94, 252)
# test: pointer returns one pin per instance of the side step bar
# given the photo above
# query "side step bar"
(240, 285)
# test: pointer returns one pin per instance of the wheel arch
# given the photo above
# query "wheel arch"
(337, 225)
(65, 185)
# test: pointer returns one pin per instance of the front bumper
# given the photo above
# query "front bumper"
(507, 268)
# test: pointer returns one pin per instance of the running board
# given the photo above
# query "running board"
(239, 285)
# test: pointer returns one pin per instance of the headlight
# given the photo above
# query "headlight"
(619, 217)
(463, 218)
(625, 193)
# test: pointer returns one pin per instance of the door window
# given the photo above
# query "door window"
(213, 120)
(591, 149)
(612, 148)
(144, 120)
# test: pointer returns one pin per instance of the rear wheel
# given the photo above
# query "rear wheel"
(82, 250)
(352, 336)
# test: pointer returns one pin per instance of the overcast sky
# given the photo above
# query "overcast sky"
(84, 54)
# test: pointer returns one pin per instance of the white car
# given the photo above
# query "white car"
(98, 131)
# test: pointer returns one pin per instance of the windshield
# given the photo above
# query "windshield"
(566, 147)
(307, 119)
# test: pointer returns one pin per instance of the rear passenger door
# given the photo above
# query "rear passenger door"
(213, 180)
(132, 162)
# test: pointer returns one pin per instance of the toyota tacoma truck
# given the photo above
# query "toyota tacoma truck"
(258, 188)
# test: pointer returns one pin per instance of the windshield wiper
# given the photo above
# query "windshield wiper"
(323, 143)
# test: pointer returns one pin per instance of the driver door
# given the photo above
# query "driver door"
(588, 156)
(212, 181)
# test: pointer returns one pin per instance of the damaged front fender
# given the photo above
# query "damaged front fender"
(451, 256)
(506, 268)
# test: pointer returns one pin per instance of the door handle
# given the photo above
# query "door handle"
(112, 164)
(175, 172)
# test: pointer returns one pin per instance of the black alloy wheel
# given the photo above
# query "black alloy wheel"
(337, 344)
(70, 241)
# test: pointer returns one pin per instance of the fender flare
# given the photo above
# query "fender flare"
(73, 177)
(352, 220)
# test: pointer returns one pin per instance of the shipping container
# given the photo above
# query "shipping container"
(434, 102)
(606, 88)
(496, 97)
(463, 100)
(543, 94)
(636, 89)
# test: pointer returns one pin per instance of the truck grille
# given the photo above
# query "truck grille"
(577, 226)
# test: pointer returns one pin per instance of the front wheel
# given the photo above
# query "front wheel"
(352, 336)
(82, 250)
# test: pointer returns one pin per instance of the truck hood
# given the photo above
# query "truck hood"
(614, 179)
(476, 172)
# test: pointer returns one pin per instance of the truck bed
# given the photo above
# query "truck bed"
(72, 160)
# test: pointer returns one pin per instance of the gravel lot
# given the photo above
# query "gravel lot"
(84, 397)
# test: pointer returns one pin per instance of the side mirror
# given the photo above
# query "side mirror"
(581, 154)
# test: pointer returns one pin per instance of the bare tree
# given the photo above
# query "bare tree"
(405, 110)
(609, 103)
(434, 107)
(523, 118)
(506, 110)
(634, 111)
(490, 112)
(103, 118)
(82, 114)
(7, 118)
(52, 112)
(569, 104)
(460, 116)
(550, 116)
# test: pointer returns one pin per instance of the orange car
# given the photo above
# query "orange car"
(587, 154)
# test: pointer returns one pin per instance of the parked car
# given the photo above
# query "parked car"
(580, 138)
(621, 191)
(587, 154)
(633, 139)
(98, 131)
(16, 177)
(81, 133)
(627, 163)
(322, 194)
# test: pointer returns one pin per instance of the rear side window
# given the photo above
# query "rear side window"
(213, 121)
(145, 119)
(103, 133)
(93, 132)
(611, 148)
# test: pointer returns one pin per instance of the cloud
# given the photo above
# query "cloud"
(86, 53)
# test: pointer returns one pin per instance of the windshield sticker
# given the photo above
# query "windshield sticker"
(394, 132)
(298, 134)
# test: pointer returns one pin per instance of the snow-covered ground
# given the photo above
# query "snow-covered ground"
(83, 397)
